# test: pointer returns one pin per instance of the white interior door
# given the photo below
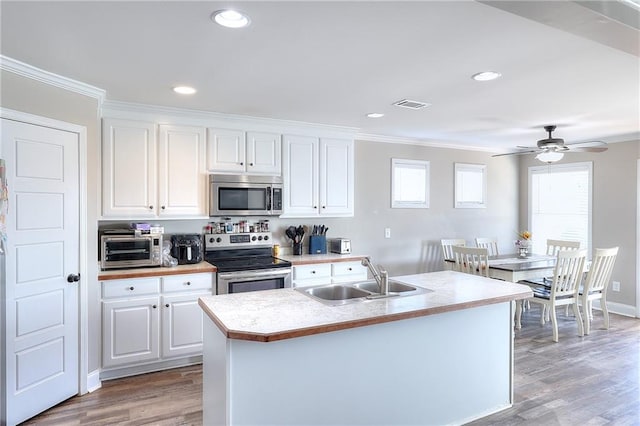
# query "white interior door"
(42, 352)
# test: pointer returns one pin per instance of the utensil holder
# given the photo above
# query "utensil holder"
(317, 244)
(297, 249)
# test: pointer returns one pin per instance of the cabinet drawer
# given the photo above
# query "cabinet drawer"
(303, 272)
(130, 288)
(348, 268)
(187, 282)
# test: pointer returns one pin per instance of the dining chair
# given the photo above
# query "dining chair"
(447, 244)
(553, 246)
(564, 288)
(489, 243)
(471, 260)
(596, 283)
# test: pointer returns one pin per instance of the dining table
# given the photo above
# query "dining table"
(515, 268)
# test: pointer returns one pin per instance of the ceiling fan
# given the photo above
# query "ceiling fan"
(552, 149)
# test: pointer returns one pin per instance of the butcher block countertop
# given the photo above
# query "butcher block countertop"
(118, 274)
(307, 259)
(271, 315)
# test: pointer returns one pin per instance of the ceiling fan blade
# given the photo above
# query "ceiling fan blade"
(516, 153)
(589, 149)
(590, 146)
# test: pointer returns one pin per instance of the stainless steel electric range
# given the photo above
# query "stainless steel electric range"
(245, 262)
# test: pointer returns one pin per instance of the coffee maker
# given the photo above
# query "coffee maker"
(187, 248)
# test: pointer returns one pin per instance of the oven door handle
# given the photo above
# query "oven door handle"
(253, 275)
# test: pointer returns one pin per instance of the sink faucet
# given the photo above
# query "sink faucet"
(382, 277)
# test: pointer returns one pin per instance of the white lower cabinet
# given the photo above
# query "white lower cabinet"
(146, 320)
(328, 273)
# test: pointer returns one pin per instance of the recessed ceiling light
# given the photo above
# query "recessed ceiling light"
(375, 115)
(230, 18)
(486, 76)
(184, 90)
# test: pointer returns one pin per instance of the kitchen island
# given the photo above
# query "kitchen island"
(441, 357)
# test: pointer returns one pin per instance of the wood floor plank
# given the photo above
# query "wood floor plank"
(592, 380)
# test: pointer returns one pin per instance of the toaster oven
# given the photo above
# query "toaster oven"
(129, 249)
(340, 245)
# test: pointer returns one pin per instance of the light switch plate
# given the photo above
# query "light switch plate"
(387, 232)
(616, 286)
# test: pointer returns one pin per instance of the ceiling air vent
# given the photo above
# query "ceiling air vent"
(406, 103)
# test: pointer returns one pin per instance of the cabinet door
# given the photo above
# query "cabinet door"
(130, 331)
(128, 168)
(264, 153)
(342, 272)
(300, 175)
(182, 324)
(182, 175)
(336, 177)
(225, 150)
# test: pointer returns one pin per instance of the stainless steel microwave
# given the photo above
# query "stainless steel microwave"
(129, 249)
(244, 195)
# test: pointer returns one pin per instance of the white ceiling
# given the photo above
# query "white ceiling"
(574, 64)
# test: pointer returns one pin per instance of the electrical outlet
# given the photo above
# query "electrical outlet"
(387, 232)
(616, 286)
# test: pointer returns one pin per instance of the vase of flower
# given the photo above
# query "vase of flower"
(523, 244)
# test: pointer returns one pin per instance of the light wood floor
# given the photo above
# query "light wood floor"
(592, 380)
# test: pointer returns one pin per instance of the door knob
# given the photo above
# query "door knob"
(73, 278)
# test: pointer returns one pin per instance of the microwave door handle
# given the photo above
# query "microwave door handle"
(253, 275)
(269, 189)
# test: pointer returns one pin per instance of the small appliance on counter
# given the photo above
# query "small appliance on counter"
(340, 245)
(129, 248)
(187, 248)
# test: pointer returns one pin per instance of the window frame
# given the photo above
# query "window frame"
(459, 201)
(581, 166)
(397, 163)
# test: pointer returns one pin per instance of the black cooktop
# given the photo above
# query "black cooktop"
(244, 260)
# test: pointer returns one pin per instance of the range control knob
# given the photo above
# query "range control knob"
(266, 237)
(211, 239)
(260, 238)
(218, 240)
(254, 238)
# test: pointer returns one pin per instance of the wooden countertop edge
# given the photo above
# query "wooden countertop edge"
(309, 331)
(145, 273)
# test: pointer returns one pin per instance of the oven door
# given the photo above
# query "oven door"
(243, 281)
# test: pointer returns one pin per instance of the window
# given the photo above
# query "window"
(409, 184)
(560, 204)
(471, 186)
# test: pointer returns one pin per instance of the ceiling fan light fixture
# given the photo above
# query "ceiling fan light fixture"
(550, 156)
(486, 76)
(230, 18)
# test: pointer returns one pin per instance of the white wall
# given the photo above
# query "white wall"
(614, 208)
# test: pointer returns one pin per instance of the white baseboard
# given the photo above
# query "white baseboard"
(618, 308)
(93, 381)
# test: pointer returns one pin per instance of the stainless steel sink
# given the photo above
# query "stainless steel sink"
(394, 286)
(336, 292)
(340, 294)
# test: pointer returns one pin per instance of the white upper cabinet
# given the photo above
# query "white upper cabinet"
(236, 151)
(182, 175)
(129, 164)
(336, 177)
(318, 177)
(150, 176)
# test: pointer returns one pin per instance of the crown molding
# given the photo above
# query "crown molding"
(421, 142)
(169, 115)
(29, 71)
